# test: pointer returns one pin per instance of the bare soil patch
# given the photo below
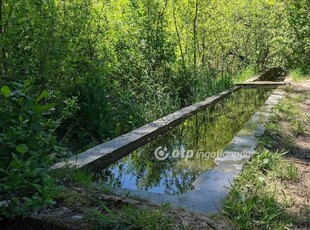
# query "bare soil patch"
(297, 194)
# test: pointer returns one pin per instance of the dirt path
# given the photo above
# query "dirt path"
(302, 141)
(298, 193)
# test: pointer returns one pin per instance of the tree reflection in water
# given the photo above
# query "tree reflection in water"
(207, 131)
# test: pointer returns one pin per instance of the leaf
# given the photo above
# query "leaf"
(39, 109)
(261, 179)
(22, 148)
(44, 94)
(5, 90)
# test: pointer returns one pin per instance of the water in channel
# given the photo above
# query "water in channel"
(205, 134)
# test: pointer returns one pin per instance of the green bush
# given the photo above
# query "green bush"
(26, 142)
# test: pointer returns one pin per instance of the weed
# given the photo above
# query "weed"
(266, 160)
(130, 217)
(273, 127)
(298, 127)
(287, 171)
(74, 198)
(266, 142)
(288, 109)
(245, 74)
(80, 177)
(298, 75)
(289, 143)
(250, 204)
(288, 88)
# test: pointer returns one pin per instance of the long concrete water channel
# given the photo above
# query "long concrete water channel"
(191, 157)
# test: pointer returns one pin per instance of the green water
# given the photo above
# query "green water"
(205, 134)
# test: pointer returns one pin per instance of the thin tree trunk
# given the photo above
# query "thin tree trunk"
(179, 39)
(203, 51)
(195, 34)
(4, 67)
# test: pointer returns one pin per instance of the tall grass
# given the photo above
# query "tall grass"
(207, 85)
(106, 112)
(244, 74)
(299, 75)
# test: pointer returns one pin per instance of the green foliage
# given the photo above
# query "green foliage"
(298, 75)
(76, 197)
(273, 126)
(287, 109)
(250, 204)
(130, 217)
(79, 177)
(245, 74)
(116, 65)
(299, 20)
(266, 160)
(27, 141)
(298, 127)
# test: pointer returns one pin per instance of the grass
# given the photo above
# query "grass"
(287, 110)
(79, 193)
(298, 127)
(299, 75)
(80, 177)
(273, 126)
(76, 199)
(260, 198)
(77, 186)
(245, 74)
(107, 112)
(131, 217)
(251, 203)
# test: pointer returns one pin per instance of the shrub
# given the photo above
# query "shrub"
(26, 142)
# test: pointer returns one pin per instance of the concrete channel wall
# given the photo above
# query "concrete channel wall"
(269, 75)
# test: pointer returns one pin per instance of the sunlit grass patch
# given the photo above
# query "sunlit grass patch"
(251, 202)
(286, 109)
(299, 75)
(245, 74)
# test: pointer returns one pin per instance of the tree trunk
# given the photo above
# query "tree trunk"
(4, 67)
(179, 39)
(195, 34)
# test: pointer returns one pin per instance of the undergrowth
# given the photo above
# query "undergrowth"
(299, 75)
(131, 217)
(251, 204)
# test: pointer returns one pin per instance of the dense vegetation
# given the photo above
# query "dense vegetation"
(102, 68)
(114, 65)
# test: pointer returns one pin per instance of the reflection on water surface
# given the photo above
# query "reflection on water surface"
(207, 131)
